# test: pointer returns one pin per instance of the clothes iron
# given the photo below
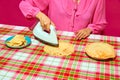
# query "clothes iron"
(49, 38)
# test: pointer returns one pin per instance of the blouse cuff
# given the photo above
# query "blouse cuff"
(90, 26)
(96, 29)
(32, 13)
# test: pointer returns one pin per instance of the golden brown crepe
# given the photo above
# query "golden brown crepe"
(18, 40)
(64, 49)
(100, 50)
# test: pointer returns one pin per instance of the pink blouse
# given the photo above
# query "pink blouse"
(68, 15)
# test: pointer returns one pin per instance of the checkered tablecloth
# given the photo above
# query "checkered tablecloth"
(32, 63)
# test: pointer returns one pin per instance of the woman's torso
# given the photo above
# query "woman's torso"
(70, 16)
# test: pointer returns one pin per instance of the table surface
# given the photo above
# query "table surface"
(32, 63)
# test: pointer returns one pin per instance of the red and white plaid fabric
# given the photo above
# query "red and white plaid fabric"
(32, 63)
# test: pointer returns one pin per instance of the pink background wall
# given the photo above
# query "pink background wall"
(113, 17)
(10, 14)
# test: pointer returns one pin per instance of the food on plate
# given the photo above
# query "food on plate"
(100, 50)
(64, 49)
(17, 40)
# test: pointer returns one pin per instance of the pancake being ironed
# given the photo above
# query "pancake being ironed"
(64, 49)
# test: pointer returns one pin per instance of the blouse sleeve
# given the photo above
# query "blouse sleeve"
(99, 20)
(30, 8)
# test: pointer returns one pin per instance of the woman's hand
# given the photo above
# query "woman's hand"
(45, 21)
(83, 33)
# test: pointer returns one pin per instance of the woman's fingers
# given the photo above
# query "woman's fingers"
(47, 27)
(80, 35)
(44, 20)
(42, 23)
(83, 33)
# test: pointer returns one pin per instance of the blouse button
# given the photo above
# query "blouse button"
(76, 15)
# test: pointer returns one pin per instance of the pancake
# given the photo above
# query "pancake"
(64, 49)
(100, 50)
(17, 40)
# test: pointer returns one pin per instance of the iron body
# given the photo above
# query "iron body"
(48, 38)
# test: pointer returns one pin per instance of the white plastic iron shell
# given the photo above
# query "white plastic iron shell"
(49, 38)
